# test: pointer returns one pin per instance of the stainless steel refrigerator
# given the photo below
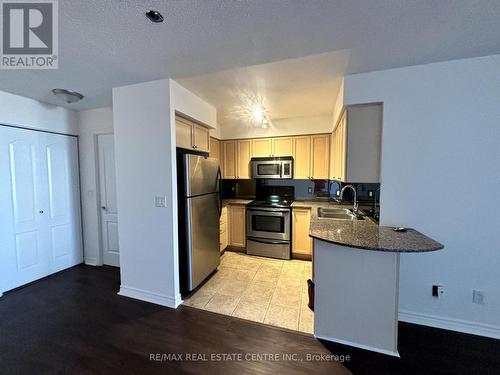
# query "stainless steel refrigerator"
(199, 211)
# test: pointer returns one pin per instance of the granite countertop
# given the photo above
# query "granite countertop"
(365, 234)
(236, 201)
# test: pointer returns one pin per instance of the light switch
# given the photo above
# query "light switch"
(160, 201)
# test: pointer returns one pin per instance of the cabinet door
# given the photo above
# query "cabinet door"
(301, 242)
(333, 150)
(236, 223)
(283, 146)
(262, 147)
(201, 138)
(229, 159)
(320, 156)
(223, 229)
(302, 157)
(215, 148)
(183, 133)
(342, 149)
(244, 154)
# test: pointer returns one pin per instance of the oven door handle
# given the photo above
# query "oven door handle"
(270, 211)
(270, 242)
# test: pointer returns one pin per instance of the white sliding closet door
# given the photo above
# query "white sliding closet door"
(39, 205)
(62, 215)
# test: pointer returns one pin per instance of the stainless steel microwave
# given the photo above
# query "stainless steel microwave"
(278, 167)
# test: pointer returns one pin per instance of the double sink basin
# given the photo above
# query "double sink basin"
(338, 214)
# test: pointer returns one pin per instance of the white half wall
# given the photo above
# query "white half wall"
(144, 150)
(29, 113)
(279, 127)
(440, 156)
(185, 101)
(91, 123)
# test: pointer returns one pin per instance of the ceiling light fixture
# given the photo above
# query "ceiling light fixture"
(252, 109)
(258, 113)
(68, 96)
(154, 16)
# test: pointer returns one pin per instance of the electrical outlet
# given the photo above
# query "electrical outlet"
(160, 202)
(370, 193)
(478, 297)
(310, 190)
(437, 291)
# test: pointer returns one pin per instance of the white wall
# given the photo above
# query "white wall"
(144, 146)
(90, 124)
(339, 104)
(440, 175)
(25, 112)
(144, 127)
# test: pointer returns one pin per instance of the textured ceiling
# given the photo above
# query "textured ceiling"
(301, 87)
(109, 43)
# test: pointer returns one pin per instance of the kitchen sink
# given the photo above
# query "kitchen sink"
(338, 213)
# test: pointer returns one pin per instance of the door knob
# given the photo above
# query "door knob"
(103, 207)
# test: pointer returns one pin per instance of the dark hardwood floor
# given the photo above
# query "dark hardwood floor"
(75, 323)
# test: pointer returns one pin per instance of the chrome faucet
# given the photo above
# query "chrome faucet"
(355, 200)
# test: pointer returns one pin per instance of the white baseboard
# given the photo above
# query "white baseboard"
(147, 296)
(91, 261)
(360, 346)
(451, 324)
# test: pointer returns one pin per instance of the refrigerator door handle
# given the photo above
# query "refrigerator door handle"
(219, 177)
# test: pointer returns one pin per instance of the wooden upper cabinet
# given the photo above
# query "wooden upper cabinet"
(356, 142)
(201, 138)
(215, 148)
(244, 154)
(191, 135)
(262, 147)
(283, 146)
(302, 157)
(320, 156)
(228, 159)
(183, 133)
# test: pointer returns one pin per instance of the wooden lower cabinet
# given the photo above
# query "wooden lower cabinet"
(223, 229)
(301, 242)
(236, 224)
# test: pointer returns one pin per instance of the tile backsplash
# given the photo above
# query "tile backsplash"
(304, 189)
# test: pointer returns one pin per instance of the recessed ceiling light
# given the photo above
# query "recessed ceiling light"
(154, 16)
(68, 96)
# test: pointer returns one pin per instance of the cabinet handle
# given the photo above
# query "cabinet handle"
(41, 211)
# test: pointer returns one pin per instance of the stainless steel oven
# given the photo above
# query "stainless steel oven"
(278, 167)
(268, 232)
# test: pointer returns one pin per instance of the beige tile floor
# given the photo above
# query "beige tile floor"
(265, 290)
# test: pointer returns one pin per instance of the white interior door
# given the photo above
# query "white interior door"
(39, 205)
(109, 212)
